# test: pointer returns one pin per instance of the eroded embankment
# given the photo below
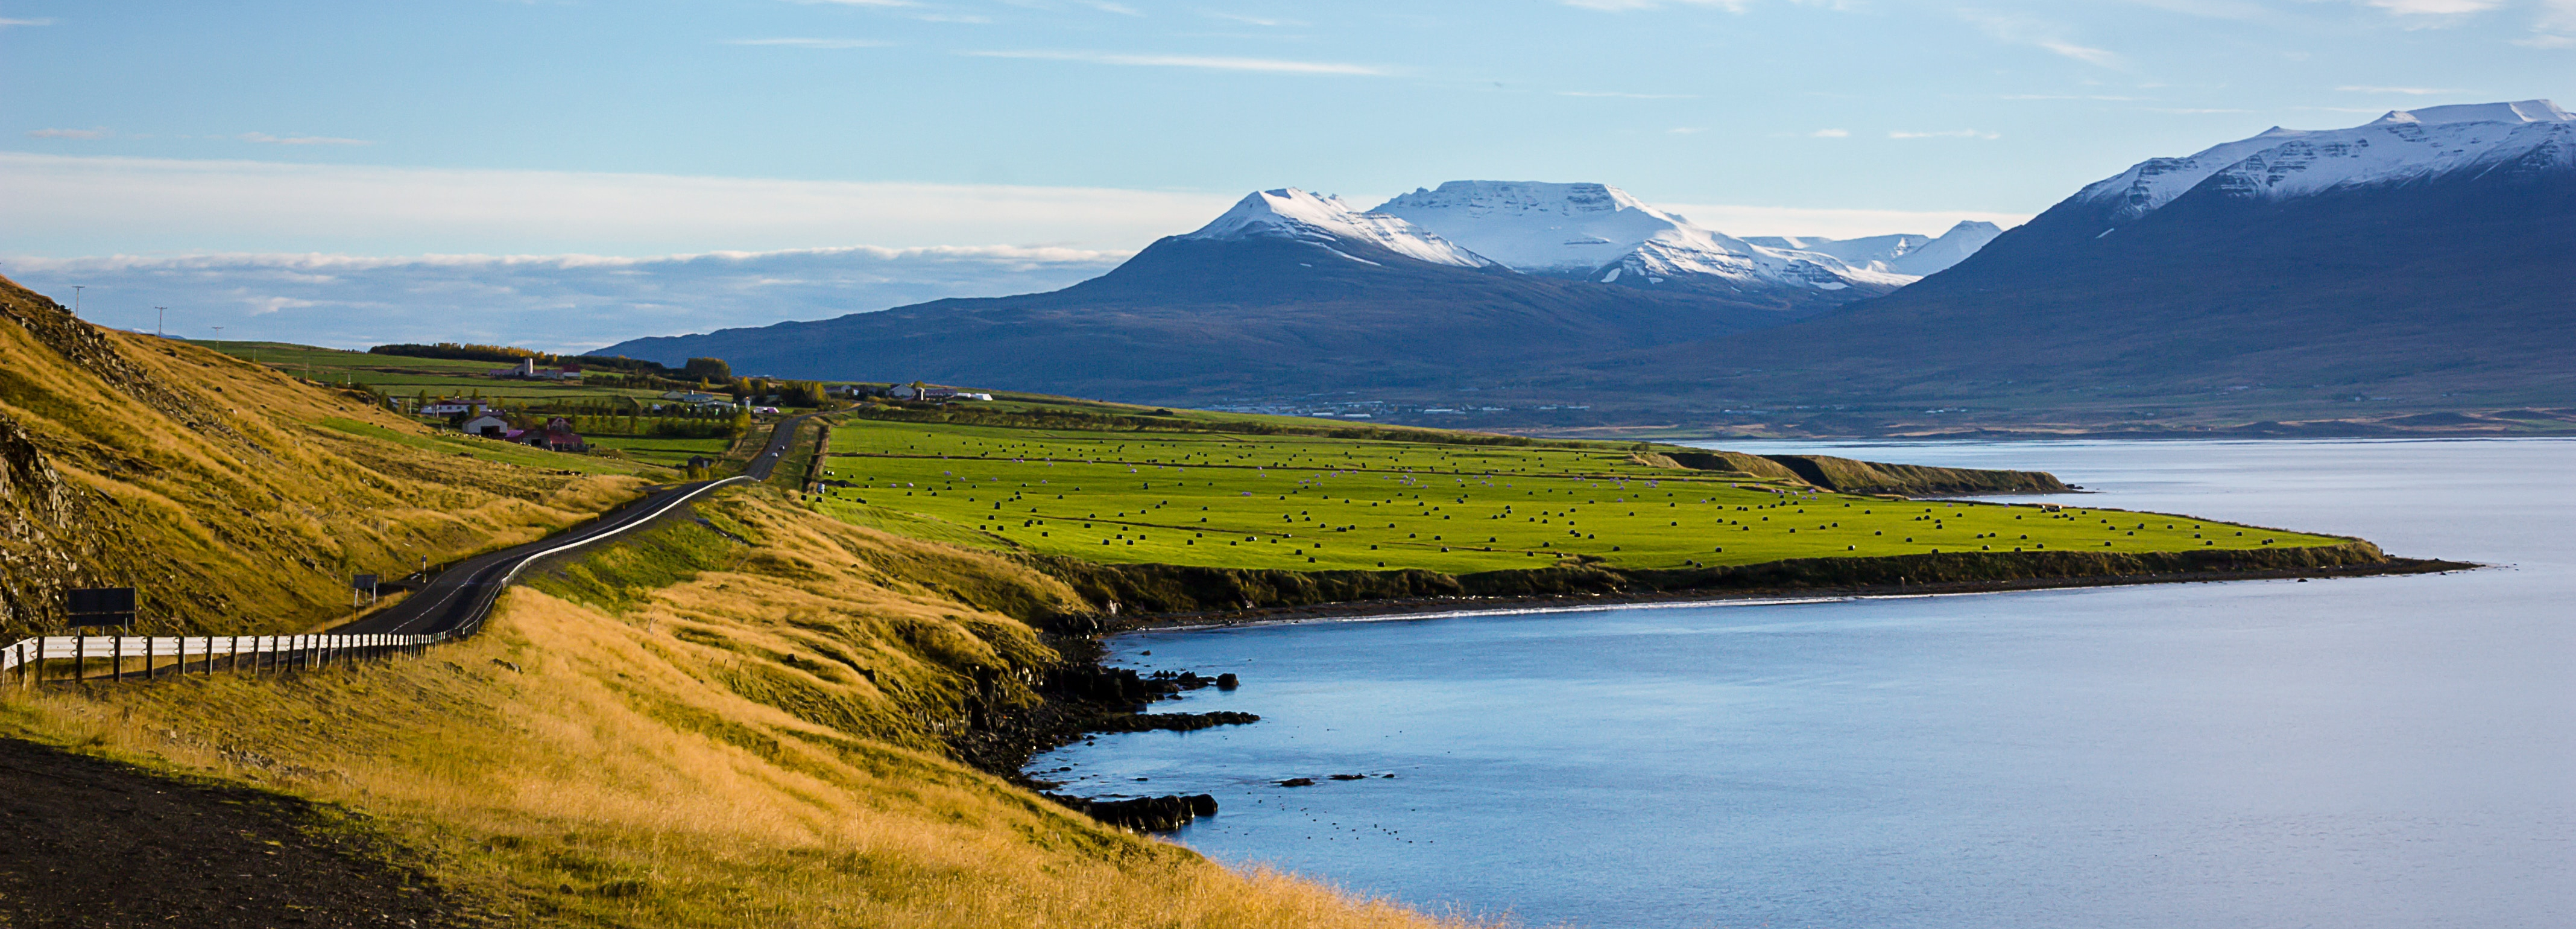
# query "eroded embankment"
(1852, 476)
(1145, 591)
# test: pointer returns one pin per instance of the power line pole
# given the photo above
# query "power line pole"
(161, 315)
(76, 289)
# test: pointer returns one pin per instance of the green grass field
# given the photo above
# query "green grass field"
(1303, 503)
(661, 451)
(400, 376)
(504, 452)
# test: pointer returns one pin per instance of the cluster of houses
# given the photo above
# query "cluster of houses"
(557, 436)
(527, 370)
(931, 394)
(472, 417)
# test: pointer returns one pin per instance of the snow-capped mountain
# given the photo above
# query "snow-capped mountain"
(2402, 147)
(1907, 254)
(1286, 292)
(1601, 233)
(2424, 258)
(1297, 216)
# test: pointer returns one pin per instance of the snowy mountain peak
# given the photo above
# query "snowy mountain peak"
(1539, 227)
(1519, 198)
(2403, 146)
(2520, 111)
(1289, 213)
(1906, 254)
(1602, 233)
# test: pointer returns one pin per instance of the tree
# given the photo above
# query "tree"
(707, 369)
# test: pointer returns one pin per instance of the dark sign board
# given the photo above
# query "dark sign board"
(104, 606)
(365, 582)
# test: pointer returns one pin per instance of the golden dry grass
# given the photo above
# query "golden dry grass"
(731, 724)
(211, 485)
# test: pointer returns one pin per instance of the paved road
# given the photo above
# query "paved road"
(457, 598)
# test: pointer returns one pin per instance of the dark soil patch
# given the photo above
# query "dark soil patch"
(93, 843)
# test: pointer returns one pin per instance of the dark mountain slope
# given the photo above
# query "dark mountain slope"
(1198, 317)
(2459, 284)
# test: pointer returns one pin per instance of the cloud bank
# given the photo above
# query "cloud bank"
(549, 302)
(66, 206)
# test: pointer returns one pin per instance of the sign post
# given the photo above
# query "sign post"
(102, 606)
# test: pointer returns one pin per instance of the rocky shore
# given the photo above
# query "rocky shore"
(1082, 697)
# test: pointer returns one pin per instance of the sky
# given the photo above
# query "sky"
(565, 174)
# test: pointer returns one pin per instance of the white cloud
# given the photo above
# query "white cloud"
(1270, 65)
(1831, 133)
(1618, 6)
(1118, 8)
(855, 2)
(812, 43)
(1944, 134)
(266, 139)
(6, 23)
(1741, 220)
(2023, 30)
(2555, 27)
(66, 205)
(92, 133)
(1262, 21)
(1625, 96)
(549, 302)
(2410, 91)
(2084, 53)
(2434, 7)
(262, 306)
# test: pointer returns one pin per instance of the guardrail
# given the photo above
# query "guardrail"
(30, 659)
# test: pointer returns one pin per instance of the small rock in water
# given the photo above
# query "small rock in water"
(1350, 777)
(1228, 681)
(1298, 782)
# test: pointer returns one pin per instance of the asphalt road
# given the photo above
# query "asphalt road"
(457, 598)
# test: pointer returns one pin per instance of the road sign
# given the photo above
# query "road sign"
(100, 606)
(365, 582)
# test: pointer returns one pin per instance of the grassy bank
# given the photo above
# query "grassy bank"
(735, 723)
(744, 721)
(1235, 501)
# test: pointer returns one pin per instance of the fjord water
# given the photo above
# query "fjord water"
(2395, 751)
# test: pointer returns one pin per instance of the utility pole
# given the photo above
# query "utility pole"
(76, 289)
(219, 332)
(161, 315)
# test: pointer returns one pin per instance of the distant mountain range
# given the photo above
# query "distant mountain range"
(2418, 262)
(1289, 291)
(2426, 259)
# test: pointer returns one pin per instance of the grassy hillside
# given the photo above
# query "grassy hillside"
(737, 717)
(1228, 500)
(730, 724)
(238, 499)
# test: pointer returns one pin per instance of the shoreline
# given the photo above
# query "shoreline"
(1442, 606)
(1003, 741)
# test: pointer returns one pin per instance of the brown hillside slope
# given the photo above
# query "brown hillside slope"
(214, 486)
(738, 722)
(730, 724)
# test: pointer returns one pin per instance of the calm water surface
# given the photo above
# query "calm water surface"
(2352, 753)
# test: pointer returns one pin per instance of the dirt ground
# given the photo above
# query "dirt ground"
(92, 843)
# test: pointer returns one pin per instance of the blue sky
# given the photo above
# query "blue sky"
(640, 129)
